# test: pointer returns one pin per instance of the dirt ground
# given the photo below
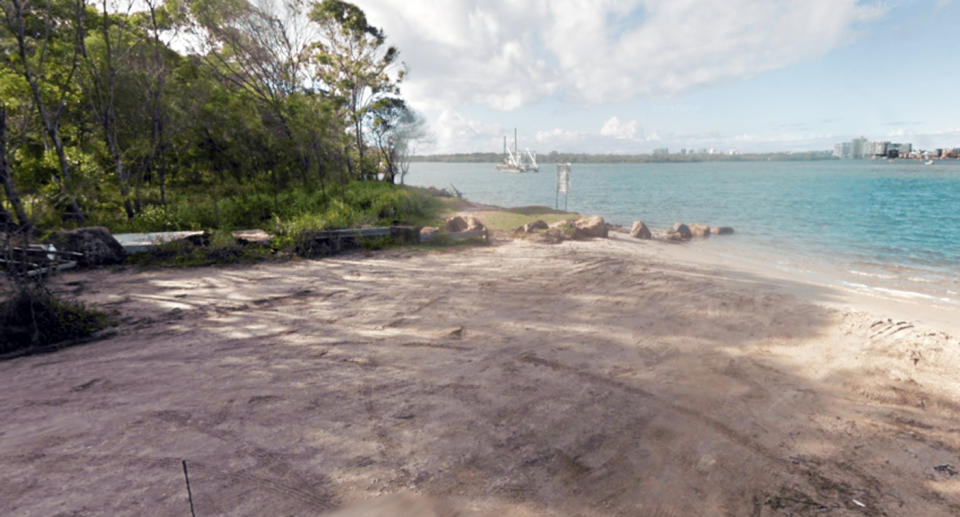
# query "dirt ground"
(582, 379)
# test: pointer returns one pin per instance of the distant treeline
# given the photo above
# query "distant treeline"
(555, 157)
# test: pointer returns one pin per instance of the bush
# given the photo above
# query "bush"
(219, 249)
(33, 317)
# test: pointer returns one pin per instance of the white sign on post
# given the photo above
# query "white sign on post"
(563, 177)
(563, 183)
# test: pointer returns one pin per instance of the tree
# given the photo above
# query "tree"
(353, 65)
(48, 56)
(102, 76)
(6, 177)
(395, 127)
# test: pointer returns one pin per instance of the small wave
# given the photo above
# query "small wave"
(899, 293)
(873, 275)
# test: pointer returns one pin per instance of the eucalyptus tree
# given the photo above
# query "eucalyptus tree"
(155, 21)
(48, 36)
(395, 126)
(261, 49)
(354, 65)
(6, 177)
(113, 40)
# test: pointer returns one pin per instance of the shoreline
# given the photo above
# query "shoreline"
(850, 290)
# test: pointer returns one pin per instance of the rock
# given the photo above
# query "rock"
(721, 230)
(640, 230)
(98, 246)
(474, 224)
(459, 223)
(699, 230)
(455, 224)
(532, 227)
(428, 231)
(679, 232)
(252, 237)
(592, 226)
(562, 224)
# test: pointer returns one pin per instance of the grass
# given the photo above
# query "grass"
(512, 218)
(356, 203)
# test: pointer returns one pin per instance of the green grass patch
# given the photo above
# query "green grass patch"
(512, 218)
(354, 204)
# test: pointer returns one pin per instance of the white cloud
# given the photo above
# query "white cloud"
(507, 54)
(451, 132)
(623, 130)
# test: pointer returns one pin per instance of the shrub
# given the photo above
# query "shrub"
(33, 317)
(219, 249)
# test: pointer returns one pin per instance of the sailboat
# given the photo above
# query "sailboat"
(514, 161)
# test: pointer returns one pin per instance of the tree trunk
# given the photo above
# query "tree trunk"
(50, 121)
(13, 195)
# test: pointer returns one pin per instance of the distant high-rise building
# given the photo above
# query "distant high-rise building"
(858, 148)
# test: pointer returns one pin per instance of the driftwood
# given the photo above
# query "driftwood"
(37, 260)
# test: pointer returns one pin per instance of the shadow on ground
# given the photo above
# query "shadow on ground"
(515, 379)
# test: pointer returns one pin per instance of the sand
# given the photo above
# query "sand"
(605, 377)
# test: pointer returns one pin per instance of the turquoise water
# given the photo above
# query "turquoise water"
(895, 223)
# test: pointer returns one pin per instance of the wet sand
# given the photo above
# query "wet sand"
(605, 377)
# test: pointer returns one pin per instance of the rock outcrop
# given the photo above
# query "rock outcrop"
(98, 246)
(640, 230)
(679, 232)
(721, 230)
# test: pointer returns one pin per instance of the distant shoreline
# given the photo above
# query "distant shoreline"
(555, 157)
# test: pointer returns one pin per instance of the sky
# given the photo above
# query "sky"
(630, 76)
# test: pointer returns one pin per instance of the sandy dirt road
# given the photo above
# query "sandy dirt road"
(587, 378)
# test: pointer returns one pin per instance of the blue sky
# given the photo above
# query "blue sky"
(628, 76)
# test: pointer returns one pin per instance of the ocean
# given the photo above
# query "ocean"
(891, 227)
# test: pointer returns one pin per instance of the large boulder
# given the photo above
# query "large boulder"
(679, 232)
(461, 223)
(591, 226)
(721, 230)
(699, 230)
(640, 230)
(98, 246)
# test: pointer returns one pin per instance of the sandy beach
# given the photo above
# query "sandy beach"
(588, 378)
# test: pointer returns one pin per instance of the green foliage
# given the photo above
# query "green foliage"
(221, 249)
(256, 131)
(35, 318)
(360, 204)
